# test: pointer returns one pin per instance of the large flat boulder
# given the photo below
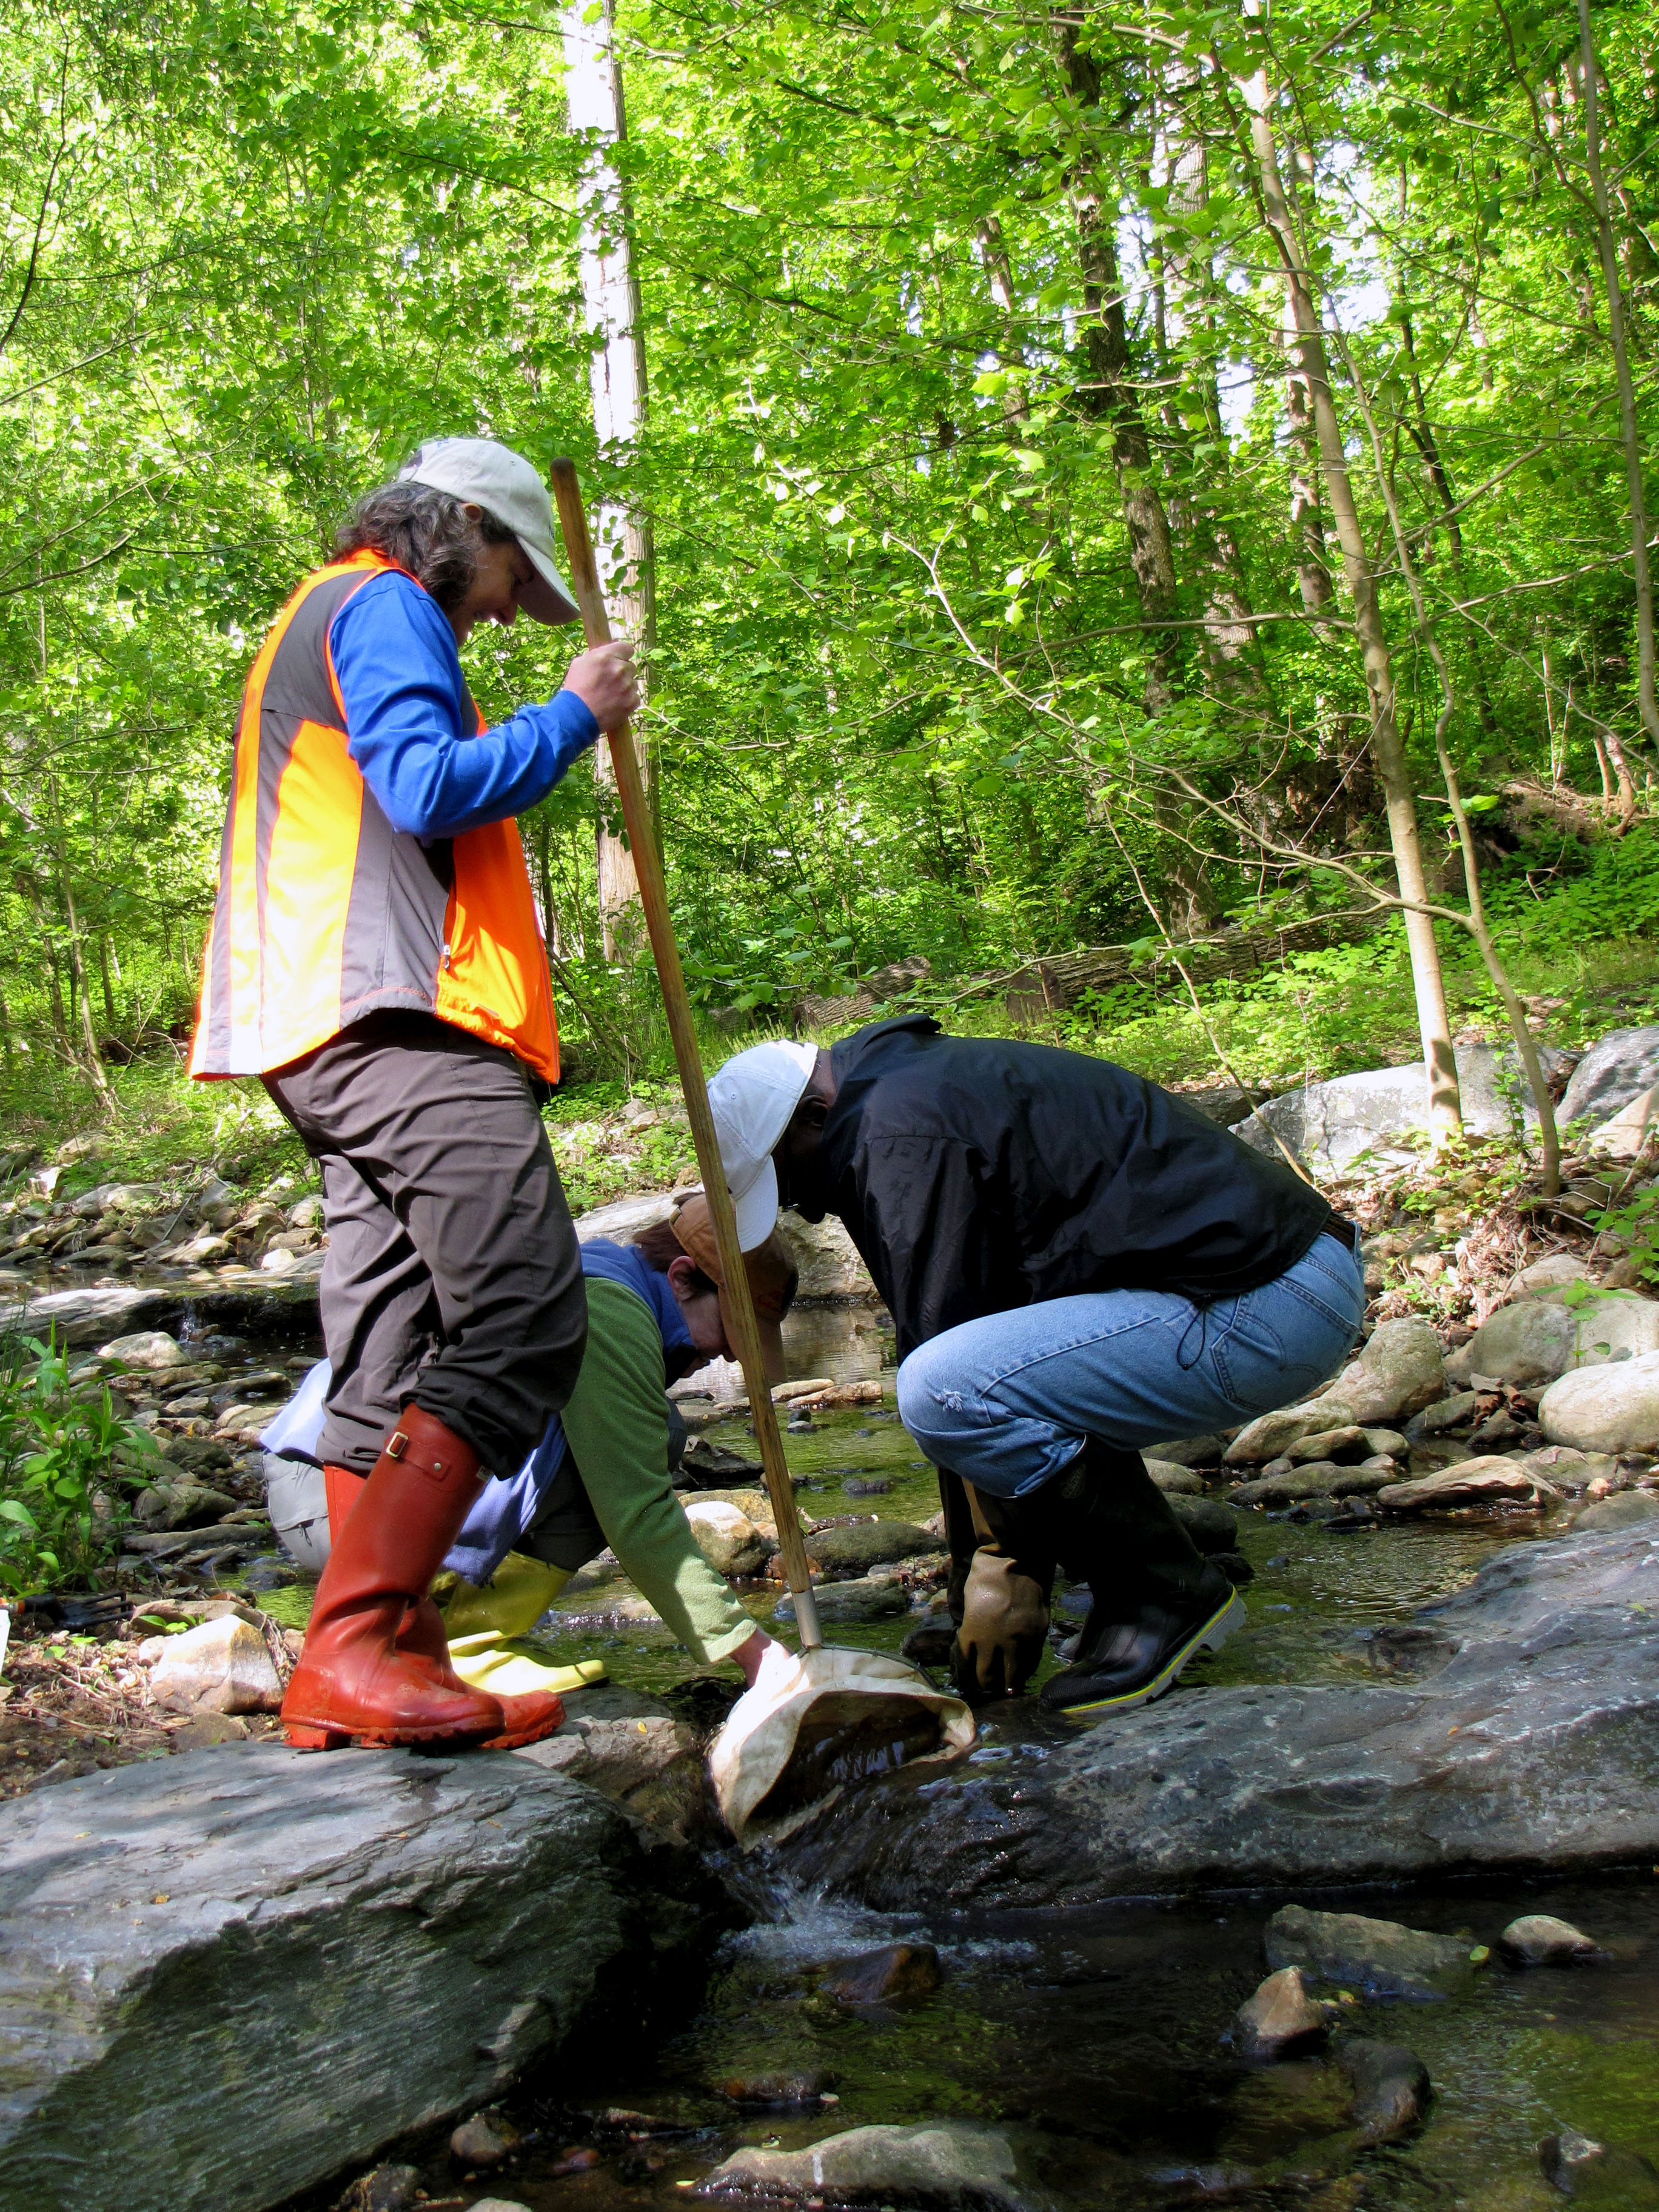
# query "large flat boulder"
(226, 1976)
(1329, 1126)
(1615, 1069)
(1536, 1744)
(256, 1305)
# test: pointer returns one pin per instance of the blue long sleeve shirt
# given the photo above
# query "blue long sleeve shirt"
(409, 722)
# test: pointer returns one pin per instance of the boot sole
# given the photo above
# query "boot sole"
(304, 1735)
(1210, 1637)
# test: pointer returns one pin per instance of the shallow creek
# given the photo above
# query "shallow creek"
(1094, 2037)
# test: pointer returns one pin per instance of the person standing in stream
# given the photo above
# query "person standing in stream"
(375, 956)
(1079, 1265)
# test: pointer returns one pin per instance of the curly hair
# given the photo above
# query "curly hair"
(428, 532)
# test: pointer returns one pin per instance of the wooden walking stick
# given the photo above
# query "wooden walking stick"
(653, 896)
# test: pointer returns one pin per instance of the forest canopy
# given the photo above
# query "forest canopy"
(1005, 598)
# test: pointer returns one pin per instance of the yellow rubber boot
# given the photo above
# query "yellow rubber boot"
(485, 1625)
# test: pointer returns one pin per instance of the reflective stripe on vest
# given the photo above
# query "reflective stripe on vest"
(325, 912)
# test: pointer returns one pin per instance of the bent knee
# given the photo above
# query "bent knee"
(931, 1402)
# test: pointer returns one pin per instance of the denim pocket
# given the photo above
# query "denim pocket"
(1281, 1344)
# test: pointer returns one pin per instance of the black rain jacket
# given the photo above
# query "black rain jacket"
(977, 1176)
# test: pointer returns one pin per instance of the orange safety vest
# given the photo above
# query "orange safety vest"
(326, 912)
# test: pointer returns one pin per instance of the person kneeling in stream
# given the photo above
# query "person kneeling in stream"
(600, 1476)
(1079, 1265)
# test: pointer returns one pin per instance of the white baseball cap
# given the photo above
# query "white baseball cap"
(751, 1098)
(496, 477)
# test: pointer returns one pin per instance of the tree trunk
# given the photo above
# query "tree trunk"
(621, 535)
(1445, 1114)
(1313, 573)
(1647, 700)
(1110, 394)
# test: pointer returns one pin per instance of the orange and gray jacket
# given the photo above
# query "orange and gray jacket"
(326, 912)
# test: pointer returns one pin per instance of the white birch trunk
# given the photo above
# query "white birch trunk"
(611, 296)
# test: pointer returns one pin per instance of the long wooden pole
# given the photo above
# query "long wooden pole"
(653, 896)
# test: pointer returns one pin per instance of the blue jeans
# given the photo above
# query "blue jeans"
(1007, 1402)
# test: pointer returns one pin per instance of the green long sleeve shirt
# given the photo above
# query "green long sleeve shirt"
(616, 1428)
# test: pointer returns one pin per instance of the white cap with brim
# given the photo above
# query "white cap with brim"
(497, 478)
(752, 1099)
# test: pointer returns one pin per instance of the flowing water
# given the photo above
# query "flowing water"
(1094, 2037)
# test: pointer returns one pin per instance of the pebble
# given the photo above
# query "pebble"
(1538, 1939)
(1390, 2085)
(856, 1488)
(484, 2140)
(1580, 2167)
(899, 1970)
(384, 2189)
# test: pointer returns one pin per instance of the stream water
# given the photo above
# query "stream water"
(1094, 2037)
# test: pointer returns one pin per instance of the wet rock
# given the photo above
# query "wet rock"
(1613, 1408)
(1490, 1479)
(1450, 1413)
(727, 1538)
(1281, 2016)
(1379, 1956)
(1317, 1480)
(1631, 1508)
(386, 2189)
(210, 2051)
(952, 2165)
(1598, 2173)
(1539, 1939)
(1390, 2085)
(1170, 1476)
(1400, 1371)
(868, 1544)
(1271, 1436)
(511, 2203)
(484, 2140)
(849, 1602)
(1212, 1526)
(648, 1762)
(1191, 1451)
(1610, 1075)
(151, 1348)
(222, 1665)
(786, 2092)
(859, 1487)
(900, 1970)
(1532, 1746)
(1569, 1472)
(1347, 1444)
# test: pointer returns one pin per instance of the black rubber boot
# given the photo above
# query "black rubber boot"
(1155, 1601)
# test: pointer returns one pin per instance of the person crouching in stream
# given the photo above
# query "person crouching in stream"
(375, 958)
(1079, 1265)
(600, 1475)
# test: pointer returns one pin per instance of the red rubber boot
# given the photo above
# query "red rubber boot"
(354, 1684)
(526, 1718)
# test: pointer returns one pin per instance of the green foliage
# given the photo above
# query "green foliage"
(1636, 1224)
(61, 1488)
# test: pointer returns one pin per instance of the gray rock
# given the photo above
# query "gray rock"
(727, 1538)
(1271, 1436)
(1190, 1451)
(1535, 1745)
(1400, 1371)
(1210, 1524)
(1569, 1472)
(861, 1599)
(1297, 1483)
(625, 1217)
(1598, 2173)
(1379, 1956)
(1281, 2016)
(484, 2140)
(385, 2189)
(1550, 1277)
(1613, 1408)
(948, 2164)
(898, 1970)
(1539, 1939)
(1531, 1343)
(145, 1348)
(1628, 1509)
(1171, 1477)
(185, 1939)
(826, 1256)
(168, 1506)
(868, 1544)
(1614, 1072)
(1331, 1125)
(1390, 2085)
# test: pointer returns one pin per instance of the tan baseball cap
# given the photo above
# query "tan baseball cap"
(770, 1269)
(496, 477)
